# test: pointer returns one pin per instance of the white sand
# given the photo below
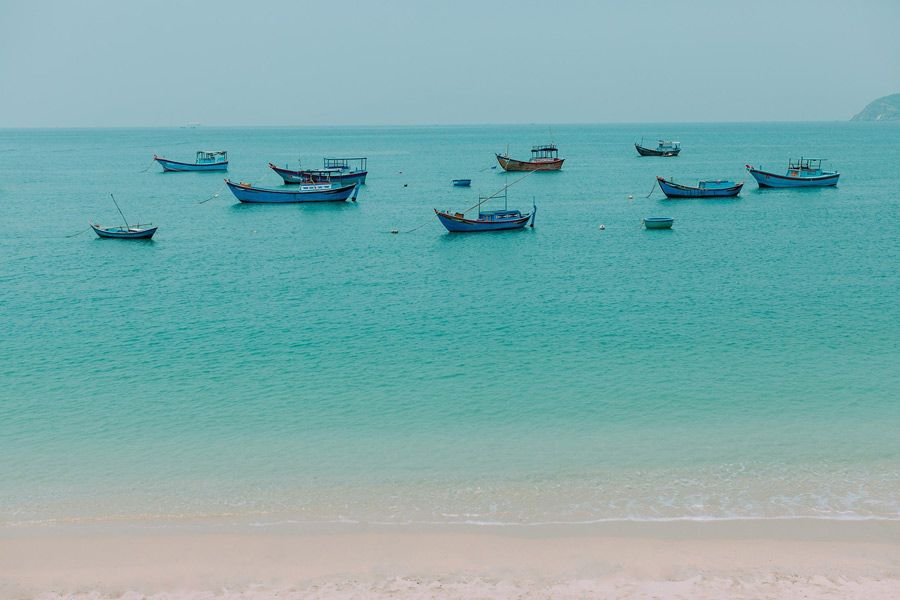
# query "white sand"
(725, 559)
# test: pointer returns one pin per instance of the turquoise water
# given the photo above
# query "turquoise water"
(302, 363)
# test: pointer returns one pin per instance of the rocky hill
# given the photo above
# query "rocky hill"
(883, 109)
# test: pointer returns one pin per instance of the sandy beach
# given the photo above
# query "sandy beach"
(791, 558)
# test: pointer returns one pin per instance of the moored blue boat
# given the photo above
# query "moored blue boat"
(488, 220)
(658, 222)
(805, 172)
(308, 192)
(131, 232)
(706, 189)
(207, 160)
(342, 171)
(462, 182)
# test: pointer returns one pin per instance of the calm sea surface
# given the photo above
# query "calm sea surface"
(300, 362)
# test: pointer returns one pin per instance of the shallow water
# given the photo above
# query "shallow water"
(302, 363)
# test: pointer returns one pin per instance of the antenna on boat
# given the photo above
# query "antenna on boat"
(551, 134)
(119, 209)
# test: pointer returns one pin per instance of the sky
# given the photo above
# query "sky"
(122, 63)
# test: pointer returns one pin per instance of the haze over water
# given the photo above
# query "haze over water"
(303, 363)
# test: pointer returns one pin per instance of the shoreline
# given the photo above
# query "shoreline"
(624, 559)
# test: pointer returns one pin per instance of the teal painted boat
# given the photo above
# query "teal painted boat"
(658, 222)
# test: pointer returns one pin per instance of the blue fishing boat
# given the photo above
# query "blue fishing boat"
(129, 232)
(706, 189)
(805, 172)
(342, 171)
(488, 220)
(662, 149)
(462, 182)
(658, 222)
(308, 192)
(207, 160)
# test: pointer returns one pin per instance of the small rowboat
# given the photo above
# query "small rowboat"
(207, 160)
(658, 222)
(132, 232)
(462, 182)
(663, 149)
(806, 172)
(706, 189)
(308, 192)
(128, 232)
(543, 158)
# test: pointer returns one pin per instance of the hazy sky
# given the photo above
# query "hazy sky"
(279, 62)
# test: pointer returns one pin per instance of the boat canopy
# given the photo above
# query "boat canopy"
(544, 151)
(346, 164)
(211, 155)
(806, 164)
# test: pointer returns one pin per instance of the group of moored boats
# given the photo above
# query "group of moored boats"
(340, 179)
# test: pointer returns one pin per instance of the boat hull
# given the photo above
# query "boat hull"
(772, 180)
(172, 165)
(455, 224)
(462, 182)
(511, 164)
(658, 223)
(292, 177)
(674, 190)
(123, 234)
(249, 194)
(654, 152)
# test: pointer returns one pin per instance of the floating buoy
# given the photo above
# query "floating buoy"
(630, 196)
(404, 185)
(602, 227)
(254, 231)
(399, 172)
(394, 231)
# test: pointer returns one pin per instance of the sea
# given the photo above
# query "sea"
(268, 364)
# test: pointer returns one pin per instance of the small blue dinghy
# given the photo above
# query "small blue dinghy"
(462, 182)
(128, 232)
(658, 222)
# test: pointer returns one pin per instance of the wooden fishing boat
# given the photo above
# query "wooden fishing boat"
(342, 171)
(663, 149)
(488, 220)
(805, 172)
(308, 192)
(706, 189)
(543, 158)
(128, 232)
(207, 160)
(658, 222)
(462, 182)
(131, 232)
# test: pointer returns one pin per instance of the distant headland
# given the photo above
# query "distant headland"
(883, 109)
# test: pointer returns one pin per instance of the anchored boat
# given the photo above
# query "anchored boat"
(804, 172)
(462, 182)
(308, 192)
(543, 158)
(342, 171)
(133, 232)
(488, 220)
(663, 149)
(658, 222)
(706, 189)
(207, 160)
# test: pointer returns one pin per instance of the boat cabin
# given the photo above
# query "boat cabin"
(346, 164)
(669, 146)
(716, 185)
(805, 167)
(499, 215)
(544, 152)
(211, 157)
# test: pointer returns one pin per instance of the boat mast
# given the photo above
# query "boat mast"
(119, 209)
